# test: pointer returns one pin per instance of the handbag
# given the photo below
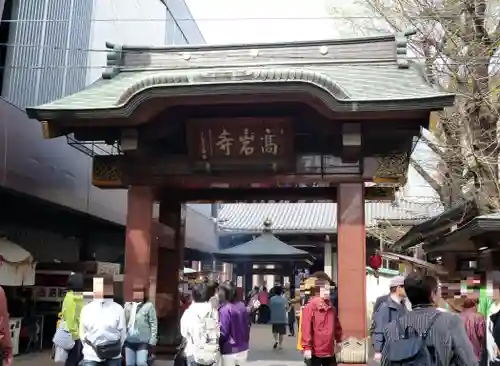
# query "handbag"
(107, 350)
(62, 338)
(353, 351)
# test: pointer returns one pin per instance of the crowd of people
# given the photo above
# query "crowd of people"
(95, 331)
(218, 332)
(408, 327)
(411, 328)
(215, 327)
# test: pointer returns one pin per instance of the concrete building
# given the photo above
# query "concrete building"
(57, 46)
(52, 48)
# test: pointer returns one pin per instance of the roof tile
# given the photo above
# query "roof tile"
(312, 217)
(364, 82)
(265, 244)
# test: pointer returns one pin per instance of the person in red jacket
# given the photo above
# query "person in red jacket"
(5, 339)
(321, 327)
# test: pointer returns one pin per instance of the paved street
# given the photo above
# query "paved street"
(261, 352)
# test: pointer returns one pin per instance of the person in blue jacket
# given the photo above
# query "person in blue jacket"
(390, 310)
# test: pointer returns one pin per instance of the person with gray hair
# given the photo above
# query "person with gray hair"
(389, 310)
(425, 333)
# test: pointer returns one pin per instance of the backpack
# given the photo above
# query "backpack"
(410, 348)
(206, 347)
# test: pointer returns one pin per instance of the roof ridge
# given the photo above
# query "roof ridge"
(358, 50)
(214, 47)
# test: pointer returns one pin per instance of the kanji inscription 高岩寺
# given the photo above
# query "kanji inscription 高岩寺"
(246, 139)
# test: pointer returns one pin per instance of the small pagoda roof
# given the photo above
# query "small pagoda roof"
(266, 247)
(349, 75)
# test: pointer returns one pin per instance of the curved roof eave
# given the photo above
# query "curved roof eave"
(130, 92)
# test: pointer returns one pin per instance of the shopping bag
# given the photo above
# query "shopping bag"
(60, 354)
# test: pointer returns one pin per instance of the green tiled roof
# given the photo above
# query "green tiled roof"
(369, 82)
(348, 75)
(265, 244)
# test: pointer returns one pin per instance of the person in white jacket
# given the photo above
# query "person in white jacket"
(200, 328)
(491, 346)
(102, 322)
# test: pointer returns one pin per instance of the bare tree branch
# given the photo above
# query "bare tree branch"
(427, 177)
(455, 51)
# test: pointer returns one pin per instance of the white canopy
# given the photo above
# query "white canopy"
(17, 267)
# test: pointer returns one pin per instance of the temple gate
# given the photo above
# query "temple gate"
(332, 120)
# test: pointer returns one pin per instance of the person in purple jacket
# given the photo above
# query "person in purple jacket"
(234, 327)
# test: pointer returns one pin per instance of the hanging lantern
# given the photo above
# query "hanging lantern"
(375, 261)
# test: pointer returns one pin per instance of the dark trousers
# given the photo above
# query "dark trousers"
(75, 354)
(291, 322)
(253, 316)
(115, 362)
(264, 314)
(321, 361)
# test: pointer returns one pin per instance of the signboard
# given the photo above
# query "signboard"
(245, 140)
(46, 293)
(108, 269)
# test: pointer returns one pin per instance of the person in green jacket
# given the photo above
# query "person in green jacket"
(71, 309)
(142, 328)
(485, 302)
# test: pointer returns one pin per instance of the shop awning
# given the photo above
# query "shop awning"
(17, 266)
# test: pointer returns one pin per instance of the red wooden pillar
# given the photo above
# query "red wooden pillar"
(352, 259)
(170, 260)
(138, 239)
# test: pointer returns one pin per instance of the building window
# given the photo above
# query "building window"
(388, 264)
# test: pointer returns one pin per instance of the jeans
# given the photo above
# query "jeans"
(115, 362)
(136, 354)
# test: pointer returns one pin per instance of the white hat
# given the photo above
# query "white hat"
(397, 281)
